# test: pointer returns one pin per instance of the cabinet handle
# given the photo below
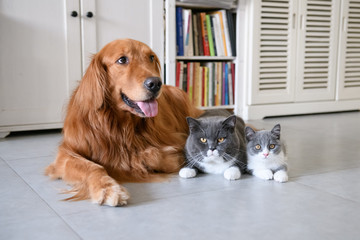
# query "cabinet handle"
(74, 14)
(89, 14)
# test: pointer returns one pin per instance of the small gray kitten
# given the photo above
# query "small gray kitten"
(266, 154)
(216, 144)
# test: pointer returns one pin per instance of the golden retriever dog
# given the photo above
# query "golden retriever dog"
(121, 123)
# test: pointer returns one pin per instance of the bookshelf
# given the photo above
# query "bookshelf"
(172, 58)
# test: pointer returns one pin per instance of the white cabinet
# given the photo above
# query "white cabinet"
(46, 46)
(304, 57)
(349, 51)
(294, 51)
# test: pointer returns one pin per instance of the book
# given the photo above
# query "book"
(204, 34)
(197, 84)
(222, 31)
(184, 79)
(218, 84)
(217, 34)
(226, 83)
(211, 92)
(210, 35)
(200, 38)
(206, 87)
(230, 80)
(226, 31)
(190, 77)
(188, 33)
(195, 36)
(232, 34)
(233, 81)
(177, 79)
(179, 32)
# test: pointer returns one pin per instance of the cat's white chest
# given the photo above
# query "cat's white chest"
(214, 165)
(272, 162)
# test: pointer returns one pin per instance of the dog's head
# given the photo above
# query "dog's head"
(126, 72)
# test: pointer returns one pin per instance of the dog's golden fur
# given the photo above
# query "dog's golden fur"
(106, 140)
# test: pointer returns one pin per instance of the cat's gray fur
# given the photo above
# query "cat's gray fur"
(266, 154)
(227, 157)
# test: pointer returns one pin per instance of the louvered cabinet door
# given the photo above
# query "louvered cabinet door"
(273, 47)
(317, 50)
(349, 55)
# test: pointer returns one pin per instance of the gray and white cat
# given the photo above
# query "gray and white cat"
(266, 154)
(216, 144)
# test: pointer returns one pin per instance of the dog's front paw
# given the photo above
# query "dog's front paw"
(265, 174)
(106, 191)
(232, 173)
(281, 176)
(187, 172)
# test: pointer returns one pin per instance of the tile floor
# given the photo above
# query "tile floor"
(321, 200)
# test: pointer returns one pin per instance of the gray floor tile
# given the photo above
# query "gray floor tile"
(24, 215)
(27, 145)
(342, 183)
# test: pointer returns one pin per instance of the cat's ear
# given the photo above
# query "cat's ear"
(194, 125)
(249, 132)
(230, 122)
(276, 131)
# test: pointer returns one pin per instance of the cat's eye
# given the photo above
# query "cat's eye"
(258, 147)
(220, 140)
(271, 146)
(203, 140)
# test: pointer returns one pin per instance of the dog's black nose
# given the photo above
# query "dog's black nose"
(153, 84)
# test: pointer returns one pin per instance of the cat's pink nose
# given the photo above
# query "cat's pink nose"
(266, 154)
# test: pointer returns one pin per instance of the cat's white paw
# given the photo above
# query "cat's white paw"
(187, 172)
(232, 173)
(265, 174)
(281, 176)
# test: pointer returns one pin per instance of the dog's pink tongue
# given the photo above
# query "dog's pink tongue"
(150, 108)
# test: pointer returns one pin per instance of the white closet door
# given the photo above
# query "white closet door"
(317, 50)
(349, 55)
(141, 20)
(273, 48)
(39, 61)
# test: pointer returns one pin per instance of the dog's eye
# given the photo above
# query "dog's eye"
(123, 60)
(152, 57)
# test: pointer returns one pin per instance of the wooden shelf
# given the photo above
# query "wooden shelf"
(218, 107)
(205, 58)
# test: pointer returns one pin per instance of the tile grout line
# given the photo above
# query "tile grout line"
(327, 192)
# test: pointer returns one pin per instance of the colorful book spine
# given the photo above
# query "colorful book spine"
(204, 32)
(226, 81)
(207, 83)
(210, 35)
(179, 32)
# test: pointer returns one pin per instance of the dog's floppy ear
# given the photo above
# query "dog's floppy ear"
(91, 92)
(157, 61)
